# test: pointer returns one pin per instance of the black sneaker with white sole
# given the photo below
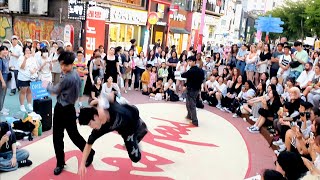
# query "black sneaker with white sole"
(24, 163)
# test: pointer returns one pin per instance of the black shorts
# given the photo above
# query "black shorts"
(23, 84)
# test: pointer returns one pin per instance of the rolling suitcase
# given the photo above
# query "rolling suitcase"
(43, 107)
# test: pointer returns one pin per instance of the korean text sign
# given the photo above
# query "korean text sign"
(95, 29)
(37, 90)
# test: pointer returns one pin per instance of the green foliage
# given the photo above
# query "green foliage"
(299, 18)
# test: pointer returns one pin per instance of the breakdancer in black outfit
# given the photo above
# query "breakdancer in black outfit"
(106, 118)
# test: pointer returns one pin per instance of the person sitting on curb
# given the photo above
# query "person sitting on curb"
(11, 158)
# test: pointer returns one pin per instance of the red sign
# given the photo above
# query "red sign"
(95, 30)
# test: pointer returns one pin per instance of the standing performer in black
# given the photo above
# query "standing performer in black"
(195, 77)
(106, 118)
(67, 91)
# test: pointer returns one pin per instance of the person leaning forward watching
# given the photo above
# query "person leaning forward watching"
(11, 158)
(195, 77)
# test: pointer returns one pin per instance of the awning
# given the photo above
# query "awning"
(179, 31)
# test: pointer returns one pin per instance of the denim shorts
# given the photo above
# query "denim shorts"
(250, 67)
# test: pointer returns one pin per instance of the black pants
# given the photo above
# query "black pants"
(191, 103)
(137, 73)
(132, 138)
(65, 118)
(273, 72)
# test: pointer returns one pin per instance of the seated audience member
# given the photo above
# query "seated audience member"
(157, 88)
(270, 106)
(145, 79)
(170, 91)
(274, 80)
(110, 87)
(260, 91)
(295, 137)
(232, 93)
(313, 89)
(208, 86)
(220, 91)
(306, 76)
(11, 158)
(95, 92)
(247, 93)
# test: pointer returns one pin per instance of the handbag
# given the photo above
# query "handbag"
(9, 76)
(294, 64)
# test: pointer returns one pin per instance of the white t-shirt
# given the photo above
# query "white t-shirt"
(284, 60)
(25, 74)
(222, 88)
(140, 63)
(305, 77)
(17, 50)
(153, 62)
(211, 84)
(173, 85)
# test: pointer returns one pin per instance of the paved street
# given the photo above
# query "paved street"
(172, 149)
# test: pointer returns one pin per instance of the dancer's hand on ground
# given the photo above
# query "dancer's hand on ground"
(4, 139)
(82, 171)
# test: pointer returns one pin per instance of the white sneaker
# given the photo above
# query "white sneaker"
(234, 115)
(181, 99)
(4, 113)
(227, 110)
(282, 148)
(22, 108)
(251, 117)
(30, 107)
(254, 130)
(251, 127)
(219, 106)
(254, 119)
(5, 110)
(205, 101)
(129, 88)
(277, 143)
(185, 100)
(277, 152)
(125, 91)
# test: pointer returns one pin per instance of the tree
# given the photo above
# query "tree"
(312, 14)
(294, 15)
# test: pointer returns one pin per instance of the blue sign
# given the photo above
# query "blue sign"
(269, 24)
(37, 90)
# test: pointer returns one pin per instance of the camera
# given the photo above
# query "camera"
(307, 114)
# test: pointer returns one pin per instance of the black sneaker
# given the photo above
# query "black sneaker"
(24, 163)
(90, 158)
(58, 170)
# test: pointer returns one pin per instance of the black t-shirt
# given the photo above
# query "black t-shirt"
(264, 56)
(8, 145)
(96, 91)
(123, 118)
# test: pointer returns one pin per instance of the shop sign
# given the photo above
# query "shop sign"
(178, 17)
(95, 29)
(153, 18)
(128, 16)
(76, 10)
(208, 19)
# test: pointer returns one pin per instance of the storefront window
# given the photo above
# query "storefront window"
(121, 34)
(135, 2)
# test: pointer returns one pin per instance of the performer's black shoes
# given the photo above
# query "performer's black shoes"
(58, 170)
(90, 158)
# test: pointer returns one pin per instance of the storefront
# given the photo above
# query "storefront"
(159, 29)
(210, 27)
(179, 31)
(126, 24)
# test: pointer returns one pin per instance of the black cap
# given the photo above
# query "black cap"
(192, 58)
(86, 115)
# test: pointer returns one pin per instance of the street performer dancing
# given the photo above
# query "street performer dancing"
(110, 117)
(195, 77)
